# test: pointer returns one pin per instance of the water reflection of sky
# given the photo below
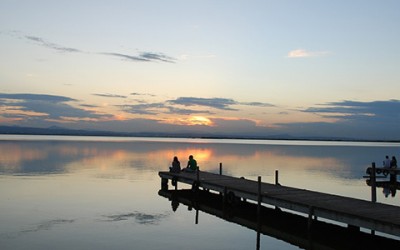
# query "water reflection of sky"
(55, 188)
(49, 157)
(297, 164)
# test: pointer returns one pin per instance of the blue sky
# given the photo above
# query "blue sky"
(303, 68)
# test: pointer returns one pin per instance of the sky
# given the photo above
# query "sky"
(311, 68)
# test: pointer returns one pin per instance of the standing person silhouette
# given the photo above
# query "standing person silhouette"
(393, 162)
(386, 162)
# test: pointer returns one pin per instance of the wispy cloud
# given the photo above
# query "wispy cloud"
(157, 57)
(50, 45)
(217, 103)
(257, 104)
(159, 108)
(298, 53)
(126, 57)
(141, 57)
(142, 94)
(110, 95)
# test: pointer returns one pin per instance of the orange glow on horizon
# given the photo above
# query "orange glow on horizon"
(191, 121)
(120, 117)
(200, 120)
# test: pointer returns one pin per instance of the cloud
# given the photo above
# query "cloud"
(169, 107)
(179, 111)
(157, 108)
(124, 56)
(257, 104)
(381, 111)
(110, 95)
(51, 106)
(298, 53)
(88, 106)
(141, 57)
(352, 119)
(54, 46)
(217, 103)
(375, 120)
(157, 57)
(37, 97)
(142, 94)
(144, 109)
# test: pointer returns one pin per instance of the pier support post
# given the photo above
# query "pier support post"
(353, 228)
(164, 184)
(277, 177)
(259, 196)
(224, 200)
(373, 183)
(310, 217)
(259, 213)
(373, 188)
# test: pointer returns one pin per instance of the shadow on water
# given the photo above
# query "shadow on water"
(291, 228)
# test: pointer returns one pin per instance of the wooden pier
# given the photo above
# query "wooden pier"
(286, 226)
(355, 213)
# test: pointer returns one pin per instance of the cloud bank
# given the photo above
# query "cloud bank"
(375, 120)
(33, 106)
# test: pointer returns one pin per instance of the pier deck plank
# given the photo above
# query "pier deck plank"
(356, 212)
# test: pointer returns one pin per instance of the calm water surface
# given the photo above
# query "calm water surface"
(102, 193)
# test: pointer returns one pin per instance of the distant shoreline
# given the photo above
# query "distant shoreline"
(57, 131)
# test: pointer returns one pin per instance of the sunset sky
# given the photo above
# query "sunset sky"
(256, 68)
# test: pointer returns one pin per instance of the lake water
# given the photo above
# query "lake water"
(102, 193)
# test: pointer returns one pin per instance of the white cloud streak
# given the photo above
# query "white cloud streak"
(300, 53)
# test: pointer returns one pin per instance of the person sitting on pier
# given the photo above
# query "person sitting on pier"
(192, 164)
(176, 166)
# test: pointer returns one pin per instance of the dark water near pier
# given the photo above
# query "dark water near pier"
(102, 193)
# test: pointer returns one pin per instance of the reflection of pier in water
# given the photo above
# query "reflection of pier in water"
(390, 186)
(291, 228)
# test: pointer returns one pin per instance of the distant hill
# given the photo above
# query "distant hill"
(56, 130)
